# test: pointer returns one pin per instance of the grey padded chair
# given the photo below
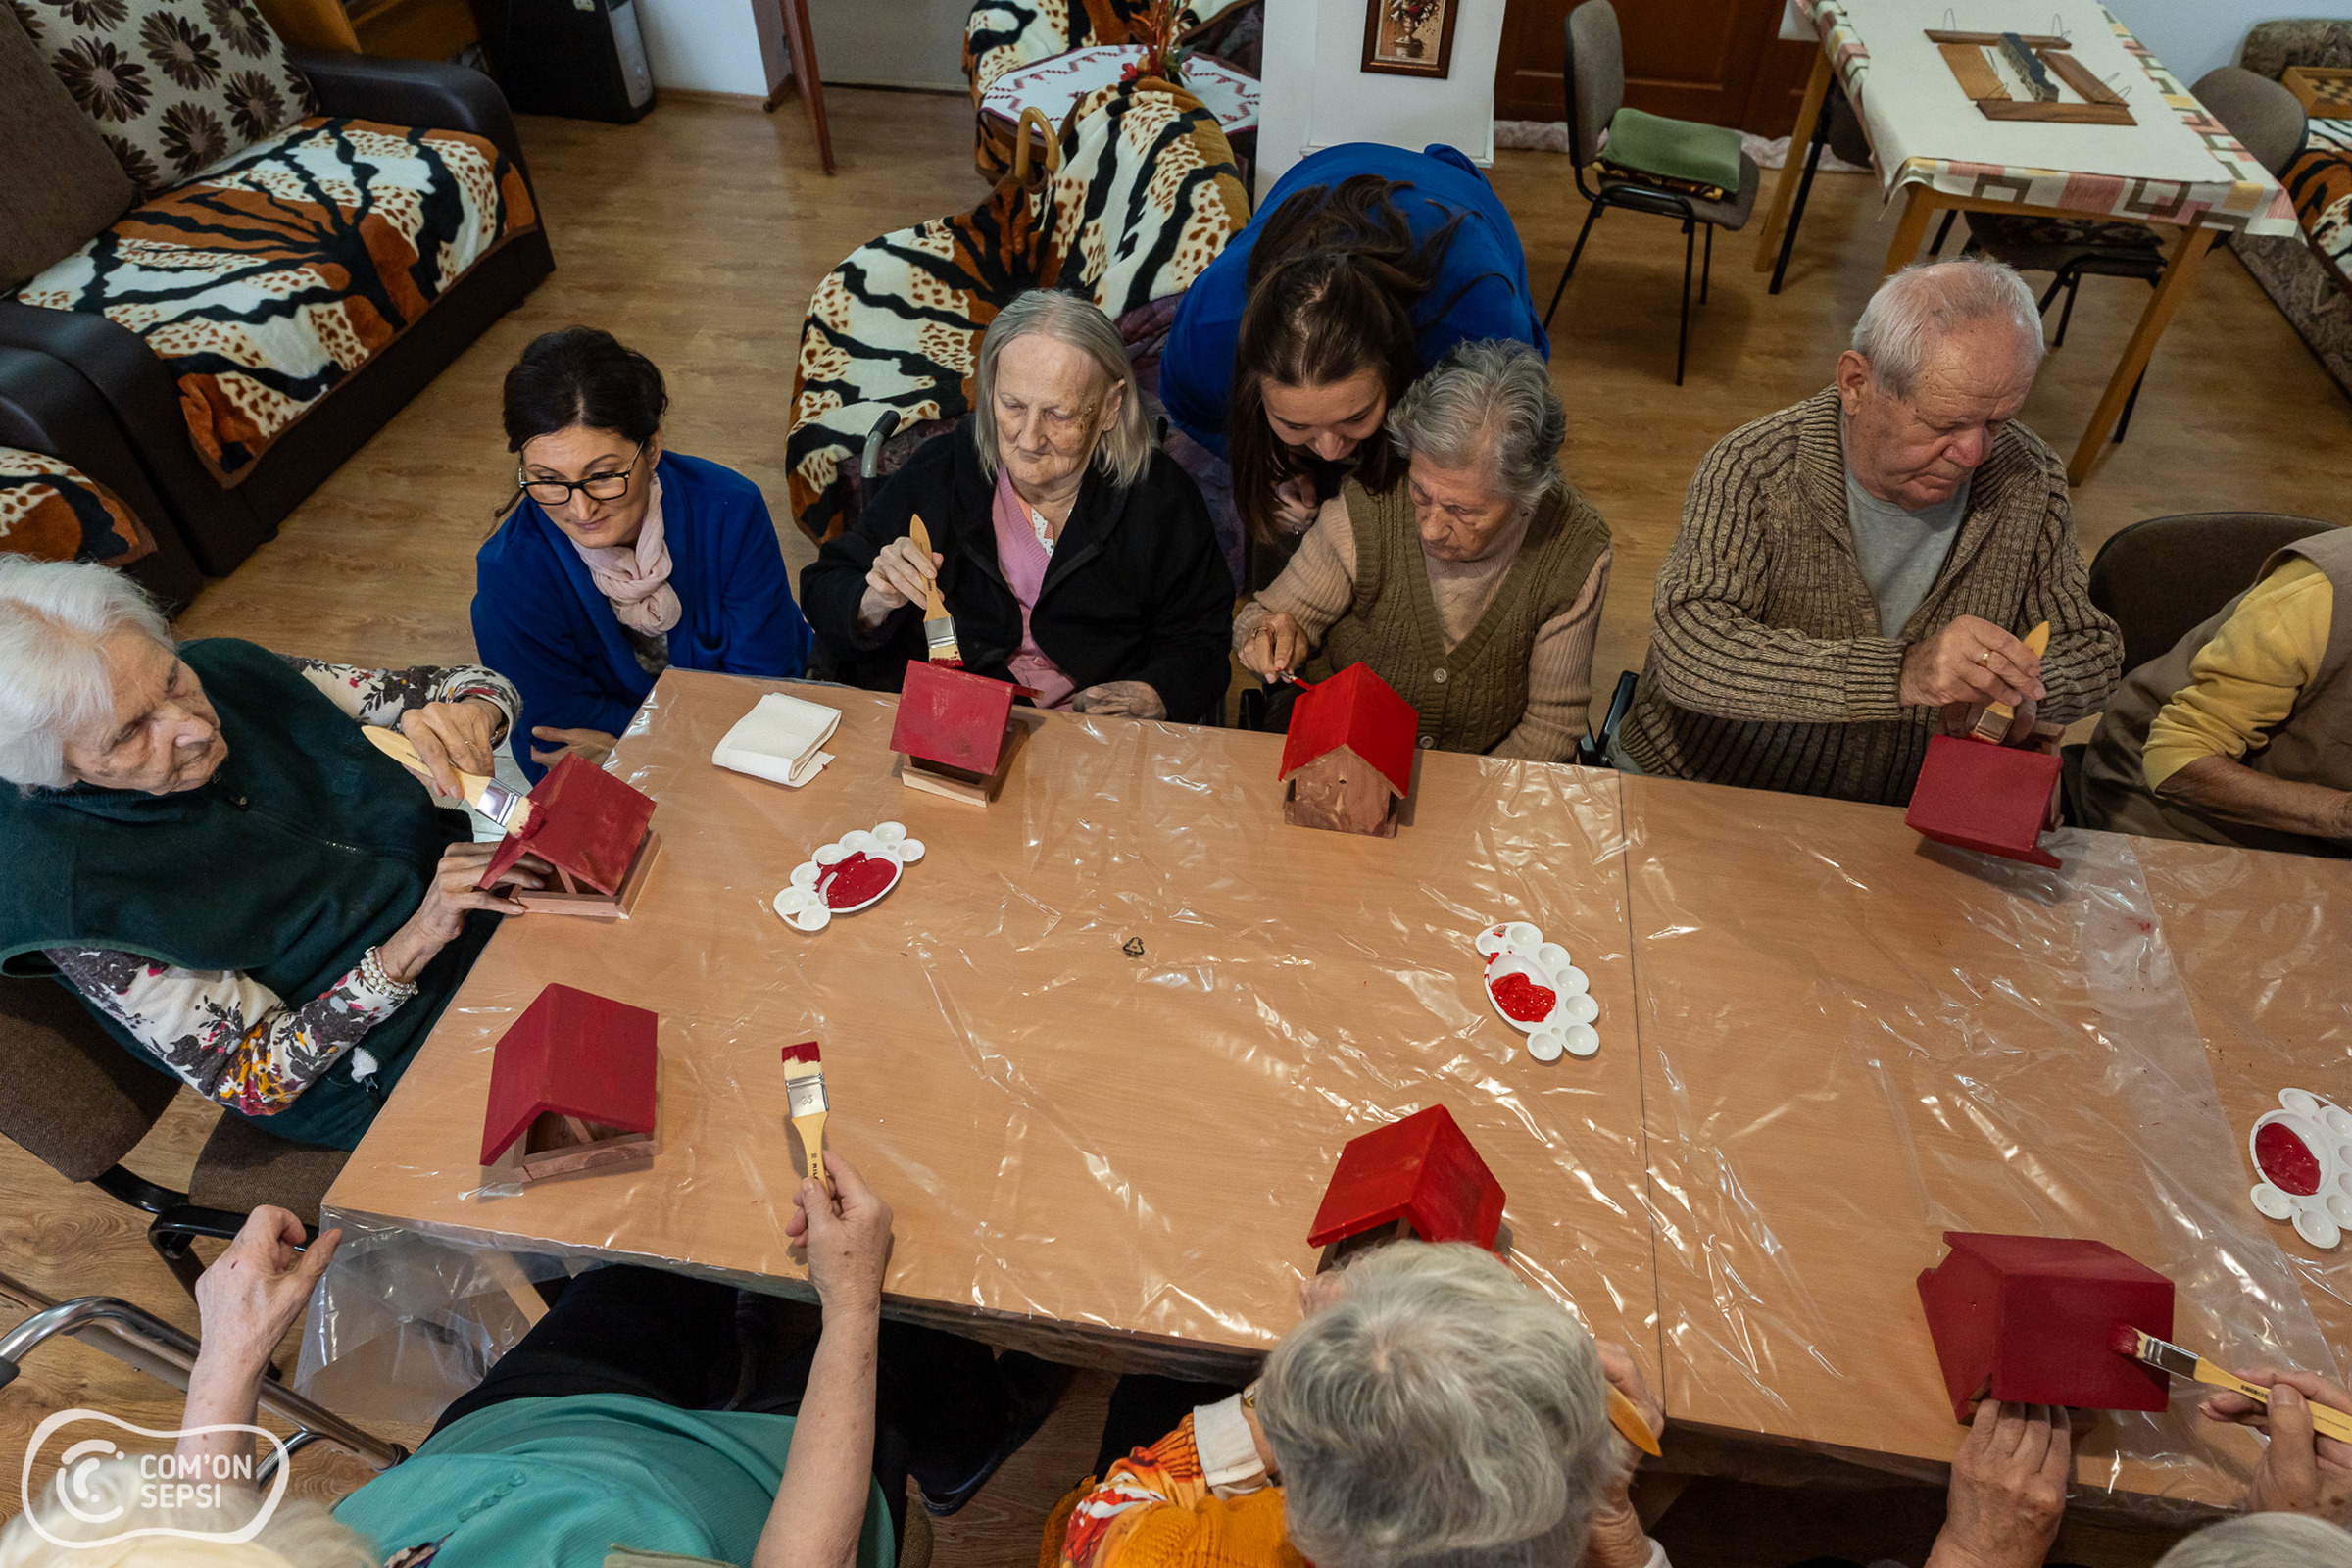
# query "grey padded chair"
(2259, 112)
(1595, 80)
(2160, 579)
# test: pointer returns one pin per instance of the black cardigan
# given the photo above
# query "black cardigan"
(1138, 589)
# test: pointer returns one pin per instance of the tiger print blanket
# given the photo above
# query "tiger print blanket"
(51, 510)
(266, 282)
(1146, 198)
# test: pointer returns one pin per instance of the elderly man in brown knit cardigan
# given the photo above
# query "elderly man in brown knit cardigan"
(1859, 570)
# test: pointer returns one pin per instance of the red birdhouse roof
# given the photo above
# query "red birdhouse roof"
(1978, 796)
(952, 716)
(1421, 1169)
(572, 1054)
(1357, 709)
(584, 821)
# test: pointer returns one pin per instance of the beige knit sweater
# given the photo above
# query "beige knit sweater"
(1317, 586)
(1766, 665)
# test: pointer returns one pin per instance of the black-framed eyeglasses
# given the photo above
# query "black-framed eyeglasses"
(552, 493)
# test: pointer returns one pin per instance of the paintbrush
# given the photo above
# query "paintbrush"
(1628, 1420)
(804, 1088)
(2169, 1358)
(511, 811)
(1994, 726)
(939, 627)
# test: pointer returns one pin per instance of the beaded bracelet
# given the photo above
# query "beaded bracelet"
(374, 976)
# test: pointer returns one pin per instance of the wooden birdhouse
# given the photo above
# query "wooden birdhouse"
(2031, 1319)
(1975, 795)
(573, 1079)
(954, 734)
(1348, 756)
(594, 831)
(1414, 1177)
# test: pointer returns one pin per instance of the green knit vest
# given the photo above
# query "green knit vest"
(306, 849)
(1471, 697)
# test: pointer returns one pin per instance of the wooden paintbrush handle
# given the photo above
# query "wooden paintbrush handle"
(934, 607)
(1627, 1419)
(2327, 1420)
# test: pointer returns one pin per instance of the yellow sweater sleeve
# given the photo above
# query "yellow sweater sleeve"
(2248, 679)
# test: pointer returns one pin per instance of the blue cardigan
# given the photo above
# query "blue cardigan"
(1480, 289)
(539, 620)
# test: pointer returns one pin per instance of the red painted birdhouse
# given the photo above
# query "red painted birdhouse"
(2029, 1319)
(594, 831)
(1978, 796)
(1349, 756)
(573, 1078)
(1421, 1171)
(954, 732)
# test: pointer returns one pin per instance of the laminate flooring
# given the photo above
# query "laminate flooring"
(698, 236)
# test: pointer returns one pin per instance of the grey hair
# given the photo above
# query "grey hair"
(2264, 1540)
(1488, 397)
(1443, 1414)
(54, 682)
(1126, 451)
(300, 1534)
(1909, 318)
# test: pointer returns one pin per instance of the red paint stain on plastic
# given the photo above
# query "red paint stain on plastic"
(854, 880)
(2286, 1160)
(1521, 998)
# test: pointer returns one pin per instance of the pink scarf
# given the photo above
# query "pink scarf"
(635, 578)
(1024, 557)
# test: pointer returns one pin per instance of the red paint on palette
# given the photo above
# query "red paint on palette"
(2286, 1160)
(856, 879)
(1524, 1000)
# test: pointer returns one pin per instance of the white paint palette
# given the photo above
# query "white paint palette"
(1538, 990)
(855, 873)
(2302, 1153)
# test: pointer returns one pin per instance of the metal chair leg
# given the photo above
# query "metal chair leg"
(1681, 347)
(1707, 267)
(1804, 189)
(2074, 286)
(1943, 233)
(2057, 282)
(2130, 403)
(1568, 271)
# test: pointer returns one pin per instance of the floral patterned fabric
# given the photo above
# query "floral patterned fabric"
(51, 510)
(175, 85)
(265, 283)
(227, 1036)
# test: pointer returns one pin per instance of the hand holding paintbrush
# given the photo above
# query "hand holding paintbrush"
(1276, 649)
(906, 571)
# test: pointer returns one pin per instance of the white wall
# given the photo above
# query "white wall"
(891, 43)
(1316, 93)
(704, 45)
(2192, 37)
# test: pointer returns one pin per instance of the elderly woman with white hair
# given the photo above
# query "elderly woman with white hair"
(1862, 569)
(1473, 586)
(202, 845)
(1074, 558)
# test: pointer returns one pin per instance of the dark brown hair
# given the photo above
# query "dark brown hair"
(582, 375)
(1333, 279)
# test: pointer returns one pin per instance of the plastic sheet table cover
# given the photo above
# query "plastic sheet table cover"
(1854, 1040)
(1115, 1152)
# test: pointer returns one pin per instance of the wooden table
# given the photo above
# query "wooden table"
(1122, 1153)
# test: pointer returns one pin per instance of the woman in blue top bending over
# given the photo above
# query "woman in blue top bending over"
(621, 559)
(1364, 265)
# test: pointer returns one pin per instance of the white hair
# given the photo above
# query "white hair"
(54, 682)
(1443, 1414)
(1125, 449)
(1492, 397)
(1913, 311)
(2264, 1540)
(300, 1534)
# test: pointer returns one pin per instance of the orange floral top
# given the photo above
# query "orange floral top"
(1157, 1509)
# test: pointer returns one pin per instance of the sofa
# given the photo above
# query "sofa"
(2310, 276)
(342, 258)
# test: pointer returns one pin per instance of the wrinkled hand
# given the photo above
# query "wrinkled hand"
(2008, 1489)
(901, 576)
(847, 1233)
(1277, 647)
(449, 736)
(1616, 1538)
(1970, 661)
(2301, 1472)
(1319, 1293)
(1295, 504)
(1960, 718)
(1120, 698)
(451, 894)
(257, 1290)
(591, 746)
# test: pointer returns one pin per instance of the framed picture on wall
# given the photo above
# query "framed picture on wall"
(1410, 37)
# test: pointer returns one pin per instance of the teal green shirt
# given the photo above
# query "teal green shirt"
(560, 1483)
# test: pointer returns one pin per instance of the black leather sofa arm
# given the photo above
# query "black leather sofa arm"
(412, 92)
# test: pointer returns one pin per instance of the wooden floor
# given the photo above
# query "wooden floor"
(698, 236)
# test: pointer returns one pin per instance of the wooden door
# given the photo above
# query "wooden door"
(1717, 61)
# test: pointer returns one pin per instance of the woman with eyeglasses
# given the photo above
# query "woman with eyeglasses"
(620, 559)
